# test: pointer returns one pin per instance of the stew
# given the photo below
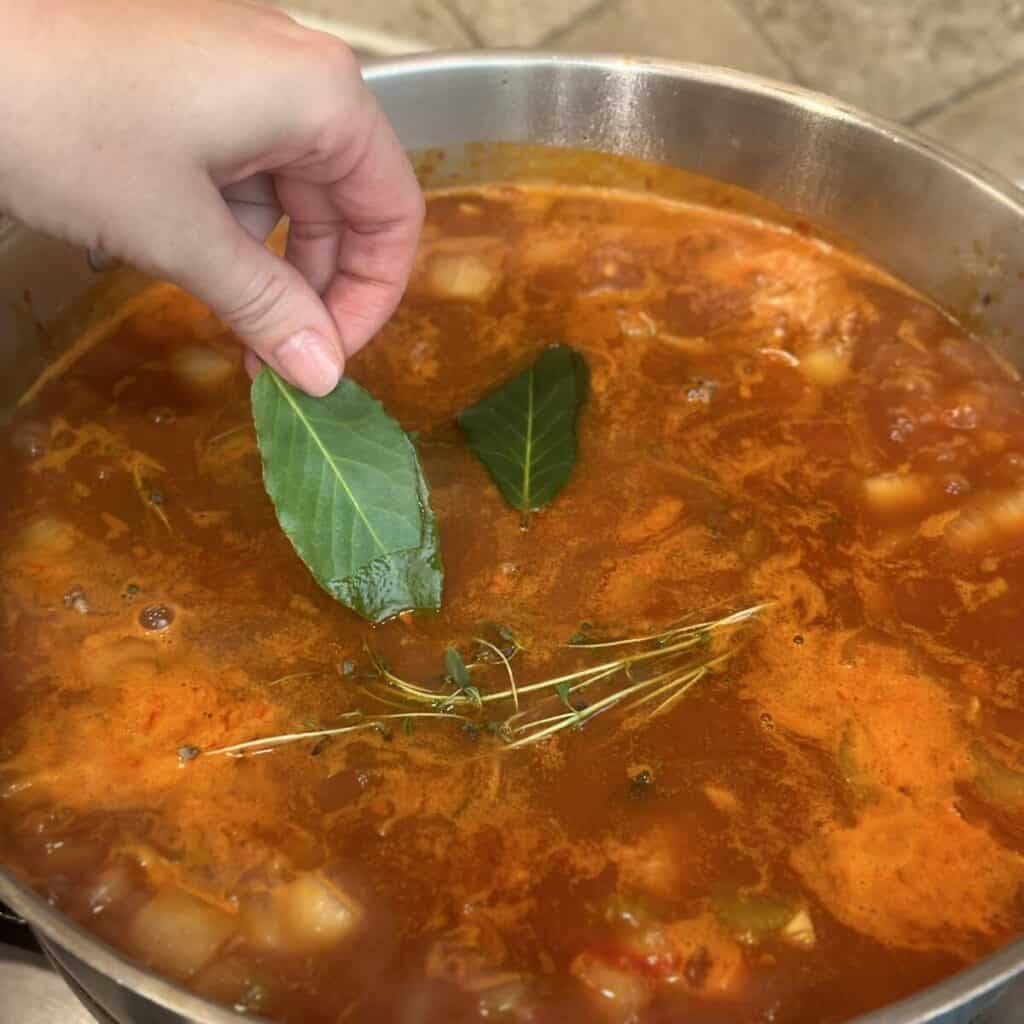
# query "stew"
(825, 815)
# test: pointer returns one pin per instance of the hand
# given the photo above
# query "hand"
(174, 134)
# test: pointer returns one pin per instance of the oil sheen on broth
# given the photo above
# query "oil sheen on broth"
(831, 822)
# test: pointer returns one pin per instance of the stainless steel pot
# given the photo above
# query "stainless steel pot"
(950, 230)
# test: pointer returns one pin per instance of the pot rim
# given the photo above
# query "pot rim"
(975, 981)
(810, 100)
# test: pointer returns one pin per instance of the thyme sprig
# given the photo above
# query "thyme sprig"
(353, 722)
(653, 671)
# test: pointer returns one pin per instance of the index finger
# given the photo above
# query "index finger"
(355, 219)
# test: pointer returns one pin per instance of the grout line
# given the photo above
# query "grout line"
(372, 42)
(463, 22)
(965, 93)
(588, 13)
(744, 11)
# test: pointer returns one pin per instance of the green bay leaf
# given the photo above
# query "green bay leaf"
(349, 492)
(525, 432)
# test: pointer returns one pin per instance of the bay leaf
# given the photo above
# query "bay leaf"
(525, 432)
(349, 492)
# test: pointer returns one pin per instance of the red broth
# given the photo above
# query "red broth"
(827, 821)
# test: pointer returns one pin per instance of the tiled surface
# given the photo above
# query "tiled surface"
(519, 22)
(893, 57)
(654, 28)
(953, 68)
(989, 127)
(431, 22)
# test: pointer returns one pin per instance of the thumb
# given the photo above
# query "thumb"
(262, 298)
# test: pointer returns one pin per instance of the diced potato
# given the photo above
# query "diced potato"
(826, 366)
(994, 522)
(886, 493)
(178, 933)
(306, 914)
(553, 250)
(118, 885)
(619, 995)
(201, 366)
(262, 926)
(465, 276)
(234, 981)
(800, 931)
(317, 914)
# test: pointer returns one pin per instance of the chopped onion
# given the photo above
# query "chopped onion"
(178, 933)
(799, 931)
(692, 346)
(201, 366)
(779, 355)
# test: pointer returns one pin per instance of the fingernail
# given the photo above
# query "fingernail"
(310, 363)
